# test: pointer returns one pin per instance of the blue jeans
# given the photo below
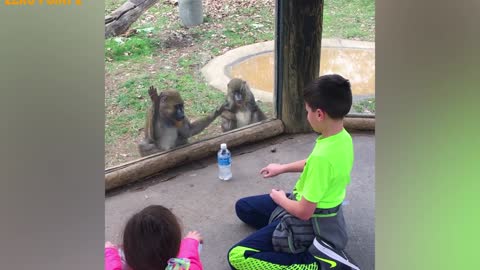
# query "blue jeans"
(256, 251)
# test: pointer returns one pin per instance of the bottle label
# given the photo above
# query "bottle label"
(224, 161)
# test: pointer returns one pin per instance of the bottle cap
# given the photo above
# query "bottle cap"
(223, 146)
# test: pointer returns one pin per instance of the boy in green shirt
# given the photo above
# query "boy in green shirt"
(314, 207)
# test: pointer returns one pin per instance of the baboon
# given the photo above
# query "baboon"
(167, 126)
(242, 109)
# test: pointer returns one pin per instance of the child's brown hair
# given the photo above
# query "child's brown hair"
(151, 237)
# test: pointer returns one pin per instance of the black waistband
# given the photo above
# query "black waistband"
(319, 211)
(326, 211)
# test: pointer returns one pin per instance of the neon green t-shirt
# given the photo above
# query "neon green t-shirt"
(327, 171)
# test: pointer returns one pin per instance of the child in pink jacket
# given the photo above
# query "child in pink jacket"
(152, 241)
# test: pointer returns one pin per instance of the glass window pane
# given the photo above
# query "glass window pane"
(188, 51)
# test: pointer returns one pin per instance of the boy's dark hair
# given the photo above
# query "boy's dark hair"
(330, 93)
(151, 237)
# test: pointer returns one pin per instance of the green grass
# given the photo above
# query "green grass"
(132, 101)
(349, 19)
(121, 49)
(246, 29)
(188, 61)
(365, 105)
(133, 95)
(124, 124)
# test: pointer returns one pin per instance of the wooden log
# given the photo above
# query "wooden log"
(356, 123)
(120, 20)
(141, 168)
(298, 46)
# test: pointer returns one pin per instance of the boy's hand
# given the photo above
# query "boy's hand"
(195, 235)
(278, 195)
(271, 170)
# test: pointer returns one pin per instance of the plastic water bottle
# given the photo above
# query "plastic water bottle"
(224, 163)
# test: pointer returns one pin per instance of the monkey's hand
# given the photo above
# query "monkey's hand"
(228, 115)
(152, 92)
(224, 107)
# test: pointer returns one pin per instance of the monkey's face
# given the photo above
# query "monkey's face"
(179, 113)
(171, 106)
(173, 111)
(238, 97)
(236, 91)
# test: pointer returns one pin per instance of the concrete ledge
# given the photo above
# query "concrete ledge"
(215, 71)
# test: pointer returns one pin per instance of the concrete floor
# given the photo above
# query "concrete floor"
(205, 203)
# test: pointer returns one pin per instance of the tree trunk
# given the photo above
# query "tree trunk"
(120, 20)
(297, 49)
